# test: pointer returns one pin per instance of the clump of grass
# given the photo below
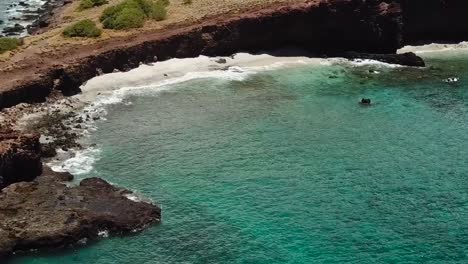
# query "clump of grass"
(86, 4)
(83, 28)
(7, 44)
(158, 11)
(133, 13)
(165, 3)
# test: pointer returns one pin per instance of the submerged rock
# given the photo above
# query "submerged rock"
(16, 29)
(221, 61)
(365, 101)
(405, 59)
(46, 213)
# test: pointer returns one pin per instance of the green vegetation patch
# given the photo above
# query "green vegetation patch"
(7, 44)
(84, 28)
(86, 4)
(133, 13)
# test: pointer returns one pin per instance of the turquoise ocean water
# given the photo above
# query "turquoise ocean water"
(286, 167)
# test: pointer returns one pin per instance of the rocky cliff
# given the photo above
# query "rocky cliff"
(322, 27)
(427, 21)
(20, 157)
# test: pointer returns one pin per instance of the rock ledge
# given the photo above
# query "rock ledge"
(46, 214)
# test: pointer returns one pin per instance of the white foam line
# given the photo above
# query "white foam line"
(81, 163)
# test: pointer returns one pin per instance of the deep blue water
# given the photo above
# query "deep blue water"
(287, 167)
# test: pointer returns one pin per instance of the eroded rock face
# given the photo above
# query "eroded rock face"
(46, 213)
(20, 157)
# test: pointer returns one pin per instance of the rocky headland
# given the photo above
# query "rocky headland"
(42, 209)
(46, 213)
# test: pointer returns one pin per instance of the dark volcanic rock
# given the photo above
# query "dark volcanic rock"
(428, 21)
(20, 157)
(47, 214)
(24, 4)
(14, 30)
(406, 59)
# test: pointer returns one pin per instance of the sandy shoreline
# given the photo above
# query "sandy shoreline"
(436, 48)
(178, 70)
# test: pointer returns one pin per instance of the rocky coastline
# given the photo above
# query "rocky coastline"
(324, 28)
(339, 26)
(41, 211)
(48, 214)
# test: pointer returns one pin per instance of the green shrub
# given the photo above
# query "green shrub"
(133, 13)
(128, 18)
(86, 4)
(158, 11)
(165, 3)
(7, 44)
(84, 28)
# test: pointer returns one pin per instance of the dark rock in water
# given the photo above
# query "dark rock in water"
(23, 4)
(1, 22)
(20, 157)
(406, 59)
(365, 101)
(16, 29)
(221, 61)
(46, 214)
(29, 17)
(48, 150)
(43, 23)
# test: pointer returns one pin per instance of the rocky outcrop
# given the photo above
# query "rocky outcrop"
(20, 157)
(46, 213)
(406, 59)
